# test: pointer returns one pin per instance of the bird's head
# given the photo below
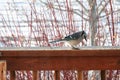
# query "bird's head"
(84, 35)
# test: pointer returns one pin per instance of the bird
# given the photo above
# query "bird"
(73, 39)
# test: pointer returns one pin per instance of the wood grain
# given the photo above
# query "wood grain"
(2, 70)
(61, 59)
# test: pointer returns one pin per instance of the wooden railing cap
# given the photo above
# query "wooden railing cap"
(62, 48)
(54, 52)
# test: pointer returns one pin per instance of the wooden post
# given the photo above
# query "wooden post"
(80, 75)
(57, 75)
(35, 75)
(2, 70)
(103, 77)
(12, 75)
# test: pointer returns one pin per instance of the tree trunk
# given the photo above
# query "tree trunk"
(93, 21)
(93, 27)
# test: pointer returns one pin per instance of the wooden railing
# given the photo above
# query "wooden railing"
(34, 59)
(2, 70)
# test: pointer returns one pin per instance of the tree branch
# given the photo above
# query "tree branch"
(99, 4)
(81, 11)
(91, 3)
(74, 10)
(80, 15)
(43, 2)
(106, 3)
(109, 13)
(82, 5)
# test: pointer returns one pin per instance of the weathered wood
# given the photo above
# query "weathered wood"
(61, 59)
(80, 75)
(57, 75)
(35, 75)
(63, 63)
(3, 70)
(103, 77)
(60, 53)
(12, 75)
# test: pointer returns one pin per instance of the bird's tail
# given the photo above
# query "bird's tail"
(56, 41)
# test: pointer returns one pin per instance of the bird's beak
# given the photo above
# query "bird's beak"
(85, 38)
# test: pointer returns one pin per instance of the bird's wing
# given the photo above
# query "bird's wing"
(73, 36)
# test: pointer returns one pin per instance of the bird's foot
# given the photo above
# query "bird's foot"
(75, 48)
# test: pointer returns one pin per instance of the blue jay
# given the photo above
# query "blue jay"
(73, 39)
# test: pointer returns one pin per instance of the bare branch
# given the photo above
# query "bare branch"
(109, 13)
(74, 11)
(82, 5)
(81, 12)
(99, 4)
(80, 15)
(106, 3)
(43, 2)
(92, 3)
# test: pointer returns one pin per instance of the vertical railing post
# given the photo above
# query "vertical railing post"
(103, 77)
(80, 75)
(12, 75)
(57, 75)
(3, 70)
(35, 75)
